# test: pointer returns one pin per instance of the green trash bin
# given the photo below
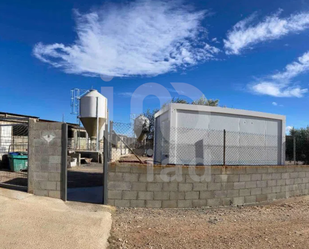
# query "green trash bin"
(18, 162)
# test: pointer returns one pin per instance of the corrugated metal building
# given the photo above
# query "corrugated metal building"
(203, 135)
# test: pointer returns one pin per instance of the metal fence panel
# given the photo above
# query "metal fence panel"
(13, 139)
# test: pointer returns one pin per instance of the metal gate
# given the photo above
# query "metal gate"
(14, 139)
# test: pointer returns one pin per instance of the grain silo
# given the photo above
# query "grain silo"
(93, 114)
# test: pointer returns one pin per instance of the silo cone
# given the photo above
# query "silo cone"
(90, 125)
(93, 104)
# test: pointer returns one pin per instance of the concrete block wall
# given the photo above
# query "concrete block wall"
(130, 185)
(45, 159)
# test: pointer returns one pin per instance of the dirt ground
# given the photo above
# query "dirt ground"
(283, 224)
(132, 158)
(86, 175)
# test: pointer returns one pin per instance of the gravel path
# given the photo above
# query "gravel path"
(283, 224)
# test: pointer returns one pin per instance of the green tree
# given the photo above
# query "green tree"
(204, 101)
(302, 144)
(176, 100)
(150, 115)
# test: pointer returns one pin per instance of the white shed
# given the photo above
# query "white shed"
(204, 135)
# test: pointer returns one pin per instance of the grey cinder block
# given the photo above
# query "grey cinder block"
(276, 189)
(153, 186)
(214, 186)
(54, 194)
(145, 195)
(251, 184)
(200, 186)
(175, 195)
(50, 185)
(139, 186)
(54, 159)
(115, 177)
(199, 203)
(161, 195)
(40, 192)
(220, 193)
(185, 186)
(54, 176)
(260, 198)
(206, 194)
(221, 178)
(41, 176)
(111, 202)
(213, 202)
(123, 169)
(261, 184)
(250, 199)
(256, 177)
(192, 195)
(130, 177)
(266, 177)
(129, 195)
(233, 178)
(289, 181)
(271, 183)
(244, 192)
(271, 197)
(169, 204)
(276, 176)
(251, 170)
(153, 204)
(184, 203)
(137, 203)
(170, 186)
(238, 201)
(281, 182)
(256, 191)
(119, 185)
(114, 194)
(233, 193)
(244, 178)
(239, 185)
(122, 203)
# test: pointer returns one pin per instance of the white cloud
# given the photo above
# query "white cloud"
(274, 103)
(278, 90)
(294, 69)
(139, 38)
(279, 84)
(215, 40)
(247, 33)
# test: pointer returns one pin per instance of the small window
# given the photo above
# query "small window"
(20, 130)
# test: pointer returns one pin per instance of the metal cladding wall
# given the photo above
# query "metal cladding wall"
(203, 135)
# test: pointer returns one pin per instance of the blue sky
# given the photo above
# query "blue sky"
(249, 54)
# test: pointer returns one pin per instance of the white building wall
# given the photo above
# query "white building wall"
(196, 136)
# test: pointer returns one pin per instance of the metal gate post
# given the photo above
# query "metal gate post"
(64, 162)
(294, 149)
(105, 166)
(111, 141)
(224, 146)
